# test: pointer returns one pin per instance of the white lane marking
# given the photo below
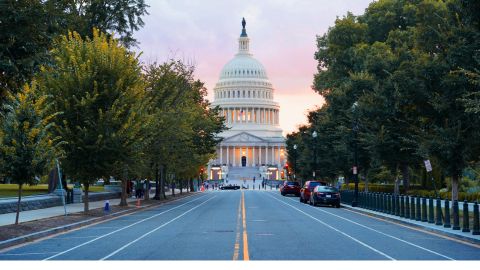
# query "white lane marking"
(152, 231)
(258, 220)
(337, 230)
(388, 235)
(74, 237)
(121, 229)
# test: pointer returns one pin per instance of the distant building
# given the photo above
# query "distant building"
(254, 145)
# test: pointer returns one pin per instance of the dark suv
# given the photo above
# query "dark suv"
(290, 187)
(307, 189)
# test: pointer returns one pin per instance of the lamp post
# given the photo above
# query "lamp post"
(355, 154)
(314, 136)
(295, 162)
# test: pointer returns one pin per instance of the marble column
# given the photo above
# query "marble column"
(273, 154)
(221, 154)
(279, 157)
(228, 156)
(253, 156)
(234, 157)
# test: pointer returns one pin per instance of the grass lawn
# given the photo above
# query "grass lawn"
(11, 190)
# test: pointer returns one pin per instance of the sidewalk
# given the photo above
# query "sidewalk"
(431, 227)
(9, 218)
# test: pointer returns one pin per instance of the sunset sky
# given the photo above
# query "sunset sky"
(282, 36)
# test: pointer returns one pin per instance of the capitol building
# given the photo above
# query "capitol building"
(253, 146)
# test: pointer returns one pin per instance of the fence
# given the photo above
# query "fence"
(435, 211)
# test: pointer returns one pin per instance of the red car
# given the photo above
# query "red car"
(307, 189)
(325, 195)
(290, 187)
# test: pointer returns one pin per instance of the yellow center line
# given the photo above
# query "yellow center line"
(236, 248)
(246, 257)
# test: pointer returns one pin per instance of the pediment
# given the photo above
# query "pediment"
(243, 137)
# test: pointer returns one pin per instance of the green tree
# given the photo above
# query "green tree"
(98, 86)
(27, 147)
(28, 29)
(184, 133)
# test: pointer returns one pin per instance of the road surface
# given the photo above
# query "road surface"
(244, 225)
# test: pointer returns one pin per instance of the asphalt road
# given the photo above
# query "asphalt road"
(244, 225)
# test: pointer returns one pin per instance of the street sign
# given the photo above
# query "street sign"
(354, 169)
(428, 165)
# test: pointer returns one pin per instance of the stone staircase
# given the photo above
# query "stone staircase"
(243, 176)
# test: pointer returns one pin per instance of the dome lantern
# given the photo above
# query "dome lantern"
(243, 41)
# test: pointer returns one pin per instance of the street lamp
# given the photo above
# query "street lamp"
(355, 154)
(314, 135)
(295, 163)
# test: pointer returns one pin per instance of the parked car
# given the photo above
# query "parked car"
(308, 188)
(325, 195)
(290, 187)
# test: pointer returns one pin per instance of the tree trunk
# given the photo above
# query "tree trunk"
(147, 190)
(455, 187)
(405, 176)
(157, 187)
(162, 181)
(18, 203)
(396, 188)
(192, 189)
(365, 172)
(85, 204)
(123, 197)
(424, 179)
(181, 187)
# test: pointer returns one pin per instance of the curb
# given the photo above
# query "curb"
(405, 222)
(97, 220)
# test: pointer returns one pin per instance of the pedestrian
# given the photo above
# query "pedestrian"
(216, 185)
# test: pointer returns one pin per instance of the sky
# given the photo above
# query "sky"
(282, 37)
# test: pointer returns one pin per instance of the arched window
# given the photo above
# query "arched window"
(228, 94)
(233, 93)
(243, 93)
(248, 93)
(254, 94)
(238, 93)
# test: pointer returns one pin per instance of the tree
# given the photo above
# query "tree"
(184, 134)
(98, 86)
(25, 38)
(27, 148)
(28, 29)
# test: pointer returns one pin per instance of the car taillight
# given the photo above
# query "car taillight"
(338, 194)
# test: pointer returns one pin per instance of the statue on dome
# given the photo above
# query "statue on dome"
(243, 22)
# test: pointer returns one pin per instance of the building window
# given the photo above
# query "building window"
(248, 93)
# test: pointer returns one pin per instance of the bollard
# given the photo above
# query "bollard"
(476, 221)
(431, 216)
(382, 203)
(424, 210)
(447, 214)
(439, 212)
(402, 206)
(417, 209)
(412, 207)
(106, 208)
(375, 201)
(387, 202)
(456, 221)
(394, 207)
(466, 219)
(397, 205)
(407, 207)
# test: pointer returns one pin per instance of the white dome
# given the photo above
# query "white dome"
(243, 66)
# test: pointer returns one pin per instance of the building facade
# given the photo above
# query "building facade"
(254, 145)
